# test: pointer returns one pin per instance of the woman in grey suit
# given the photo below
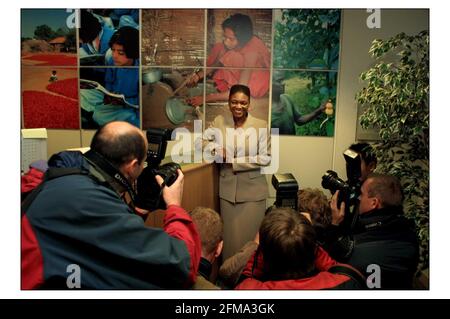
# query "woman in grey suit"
(242, 145)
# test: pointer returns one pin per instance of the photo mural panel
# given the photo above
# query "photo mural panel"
(259, 106)
(166, 98)
(173, 75)
(109, 94)
(306, 60)
(173, 37)
(307, 39)
(104, 34)
(303, 102)
(50, 97)
(239, 51)
(48, 38)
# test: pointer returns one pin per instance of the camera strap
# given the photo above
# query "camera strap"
(111, 173)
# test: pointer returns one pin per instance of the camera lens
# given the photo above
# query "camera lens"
(332, 182)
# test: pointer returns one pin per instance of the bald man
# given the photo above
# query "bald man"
(78, 232)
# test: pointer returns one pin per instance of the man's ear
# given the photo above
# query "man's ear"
(130, 167)
(376, 203)
(218, 250)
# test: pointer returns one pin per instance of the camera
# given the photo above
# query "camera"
(149, 193)
(349, 190)
(286, 188)
(347, 193)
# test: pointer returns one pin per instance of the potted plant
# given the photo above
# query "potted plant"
(396, 102)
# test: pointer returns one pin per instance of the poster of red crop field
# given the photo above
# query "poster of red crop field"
(48, 37)
(50, 98)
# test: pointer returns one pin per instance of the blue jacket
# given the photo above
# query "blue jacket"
(79, 220)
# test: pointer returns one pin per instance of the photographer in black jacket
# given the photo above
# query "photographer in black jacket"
(335, 235)
(382, 236)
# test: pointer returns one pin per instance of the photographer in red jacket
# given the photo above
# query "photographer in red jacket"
(288, 257)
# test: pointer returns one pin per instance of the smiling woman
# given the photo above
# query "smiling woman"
(242, 188)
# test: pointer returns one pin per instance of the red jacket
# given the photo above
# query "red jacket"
(324, 279)
(31, 180)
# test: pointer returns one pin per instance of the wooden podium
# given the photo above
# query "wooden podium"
(201, 188)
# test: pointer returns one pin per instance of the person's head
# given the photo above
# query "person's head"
(239, 100)
(124, 146)
(237, 31)
(368, 158)
(288, 243)
(316, 204)
(125, 46)
(210, 228)
(54, 72)
(90, 27)
(380, 191)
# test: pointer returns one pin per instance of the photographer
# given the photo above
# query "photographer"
(78, 217)
(335, 234)
(368, 159)
(382, 235)
(288, 257)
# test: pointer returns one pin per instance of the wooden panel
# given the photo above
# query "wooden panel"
(86, 137)
(60, 140)
(201, 188)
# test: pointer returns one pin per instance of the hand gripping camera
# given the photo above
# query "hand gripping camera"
(149, 193)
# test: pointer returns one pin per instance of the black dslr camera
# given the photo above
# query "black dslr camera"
(350, 190)
(149, 193)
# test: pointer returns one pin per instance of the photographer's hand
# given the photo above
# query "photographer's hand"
(173, 194)
(337, 215)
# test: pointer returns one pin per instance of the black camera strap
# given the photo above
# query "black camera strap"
(113, 173)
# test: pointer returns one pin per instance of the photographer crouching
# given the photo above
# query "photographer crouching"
(79, 232)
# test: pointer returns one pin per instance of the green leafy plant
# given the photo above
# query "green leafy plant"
(396, 101)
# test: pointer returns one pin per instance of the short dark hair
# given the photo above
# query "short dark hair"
(241, 25)
(385, 187)
(288, 243)
(366, 151)
(210, 227)
(119, 148)
(90, 27)
(239, 88)
(128, 37)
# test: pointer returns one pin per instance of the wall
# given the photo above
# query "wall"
(308, 158)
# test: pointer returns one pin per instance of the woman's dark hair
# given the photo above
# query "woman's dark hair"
(128, 37)
(90, 27)
(242, 27)
(288, 244)
(119, 148)
(239, 88)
